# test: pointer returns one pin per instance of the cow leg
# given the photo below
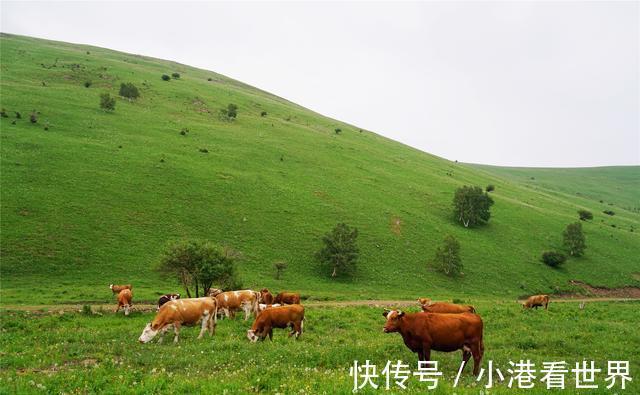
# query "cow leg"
(477, 350)
(466, 354)
(117, 308)
(176, 330)
(126, 309)
(247, 312)
(426, 353)
(297, 328)
(212, 326)
(271, 334)
(204, 324)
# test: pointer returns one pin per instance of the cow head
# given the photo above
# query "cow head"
(148, 333)
(393, 320)
(111, 286)
(214, 291)
(251, 335)
(424, 301)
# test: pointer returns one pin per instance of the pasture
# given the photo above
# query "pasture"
(82, 353)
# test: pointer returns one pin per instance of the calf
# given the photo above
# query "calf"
(265, 296)
(287, 298)
(167, 298)
(182, 312)
(447, 308)
(117, 288)
(423, 332)
(124, 300)
(231, 301)
(277, 317)
(536, 301)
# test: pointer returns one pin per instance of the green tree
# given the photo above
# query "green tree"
(279, 266)
(471, 205)
(230, 113)
(574, 240)
(340, 251)
(129, 91)
(107, 102)
(585, 214)
(447, 258)
(553, 258)
(199, 264)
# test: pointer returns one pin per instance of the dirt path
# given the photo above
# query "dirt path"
(337, 304)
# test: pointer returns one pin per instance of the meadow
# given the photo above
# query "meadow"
(94, 198)
(72, 352)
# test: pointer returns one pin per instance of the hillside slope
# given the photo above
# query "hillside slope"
(95, 198)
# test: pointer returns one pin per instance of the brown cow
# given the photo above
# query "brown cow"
(124, 300)
(277, 317)
(447, 308)
(117, 288)
(287, 298)
(231, 301)
(423, 301)
(265, 296)
(536, 301)
(423, 332)
(263, 306)
(182, 312)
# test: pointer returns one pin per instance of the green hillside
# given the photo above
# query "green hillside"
(95, 198)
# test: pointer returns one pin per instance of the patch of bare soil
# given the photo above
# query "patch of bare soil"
(396, 225)
(628, 292)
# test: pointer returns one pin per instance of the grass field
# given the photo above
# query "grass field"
(96, 197)
(78, 353)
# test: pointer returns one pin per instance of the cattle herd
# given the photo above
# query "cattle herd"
(440, 326)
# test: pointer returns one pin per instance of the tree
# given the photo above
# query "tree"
(165, 77)
(490, 188)
(107, 102)
(447, 257)
(574, 240)
(553, 258)
(585, 215)
(230, 113)
(279, 266)
(199, 264)
(340, 251)
(175, 75)
(129, 91)
(471, 205)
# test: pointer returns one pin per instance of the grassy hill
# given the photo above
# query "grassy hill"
(95, 198)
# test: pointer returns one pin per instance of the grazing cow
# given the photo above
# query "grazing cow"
(182, 312)
(287, 298)
(117, 288)
(536, 301)
(264, 306)
(265, 296)
(423, 332)
(167, 298)
(124, 300)
(447, 308)
(231, 301)
(423, 301)
(277, 317)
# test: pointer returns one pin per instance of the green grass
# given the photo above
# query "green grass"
(73, 352)
(94, 199)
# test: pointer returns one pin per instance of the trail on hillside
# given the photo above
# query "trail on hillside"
(109, 307)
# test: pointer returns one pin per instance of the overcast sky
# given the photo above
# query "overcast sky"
(520, 84)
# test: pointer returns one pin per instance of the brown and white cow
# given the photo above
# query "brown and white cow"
(536, 301)
(230, 301)
(176, 313)
(124, 300)
(277, 317)
(287, 298)
(423, 332)
(167, 298)
(117, 288)
(265, 296)
(446, 308)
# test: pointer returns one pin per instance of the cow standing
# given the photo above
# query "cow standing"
(167, 298)
(536, 301)
(423, 332)
(265, 296)
(117, 288)
(277, 317)
(124, 300)
(447, 308)
(231, 301)
(287, 298)
(182, 312)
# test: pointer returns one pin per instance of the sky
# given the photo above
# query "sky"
(547, 84)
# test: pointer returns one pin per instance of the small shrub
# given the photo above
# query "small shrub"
(165, 77)
(46, 126)
(279, 266)
(230, 113)
(447, 257)
(33, 117)
(337, 130)
(18, 115)
(3, 113)
(490, 188)
(129, 91)
(585, 215)
(609, 212)
(209, 79)
(263, 114)
(107, 102)
(204, 150)
(553, 258)
(184, 131)
(340, 250)
(87, 84)
(574, 240)
(86, 310)
(175, 75)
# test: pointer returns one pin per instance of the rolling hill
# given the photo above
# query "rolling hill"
(93, 199)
